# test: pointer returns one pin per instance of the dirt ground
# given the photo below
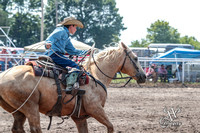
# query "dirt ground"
(149, 108)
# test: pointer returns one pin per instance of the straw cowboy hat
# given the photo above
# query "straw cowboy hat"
(71, 21)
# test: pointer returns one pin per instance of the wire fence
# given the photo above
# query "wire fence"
(190, 67)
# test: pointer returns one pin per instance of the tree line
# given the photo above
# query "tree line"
(101, 20)
(161, 32)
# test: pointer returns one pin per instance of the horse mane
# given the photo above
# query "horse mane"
(109, 54)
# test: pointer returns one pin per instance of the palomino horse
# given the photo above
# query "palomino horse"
(18, 83)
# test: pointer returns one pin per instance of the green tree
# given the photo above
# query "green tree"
(190, 40)
(137, 43)
(25, 29)
(4, 4)
(22, 6)
(161, 32)
(100, 18)
(5, 21)
(25, 26)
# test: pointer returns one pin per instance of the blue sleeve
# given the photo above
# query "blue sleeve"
(73, 51)
(55, 36)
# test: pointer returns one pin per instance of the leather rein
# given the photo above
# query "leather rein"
(130, 77)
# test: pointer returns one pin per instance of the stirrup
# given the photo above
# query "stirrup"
(80, 91)
(75, 90)
(76, 85)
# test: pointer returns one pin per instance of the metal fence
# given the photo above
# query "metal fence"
(190, 67)
(15, 59)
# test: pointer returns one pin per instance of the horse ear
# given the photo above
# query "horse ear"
(123, 45)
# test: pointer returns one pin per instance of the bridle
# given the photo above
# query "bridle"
(130, 77)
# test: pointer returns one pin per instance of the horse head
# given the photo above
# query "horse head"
(112, 60)
(131, 65)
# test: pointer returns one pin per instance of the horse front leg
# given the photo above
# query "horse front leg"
(99, 114)
(81, 124)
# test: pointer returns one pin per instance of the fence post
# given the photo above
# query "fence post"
(183, 71)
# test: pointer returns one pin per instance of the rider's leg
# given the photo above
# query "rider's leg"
(63, 61)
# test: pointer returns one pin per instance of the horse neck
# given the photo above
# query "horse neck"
(109, 65)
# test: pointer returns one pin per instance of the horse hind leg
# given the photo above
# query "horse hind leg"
(81, 124)
(19, 120)
(34, 120)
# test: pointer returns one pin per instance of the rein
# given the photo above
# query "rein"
(130, 77)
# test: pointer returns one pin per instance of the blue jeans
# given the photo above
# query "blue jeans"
(63, 61)
(3, 65)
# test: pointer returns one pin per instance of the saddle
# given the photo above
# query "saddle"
(45, 66)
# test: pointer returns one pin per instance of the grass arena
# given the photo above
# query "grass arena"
(149, 108)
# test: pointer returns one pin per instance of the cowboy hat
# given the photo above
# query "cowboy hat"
(71, 21)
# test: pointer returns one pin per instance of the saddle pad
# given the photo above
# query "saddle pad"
(46, 72)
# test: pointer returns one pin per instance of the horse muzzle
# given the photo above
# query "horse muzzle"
(141, 77)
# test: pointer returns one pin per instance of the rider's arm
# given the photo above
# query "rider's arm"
(70, 49)
(55, 36)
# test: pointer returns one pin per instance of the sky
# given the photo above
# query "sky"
(138, 15)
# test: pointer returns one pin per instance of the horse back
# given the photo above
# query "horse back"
(16, 73)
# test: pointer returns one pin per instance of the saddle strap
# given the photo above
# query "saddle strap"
(76, 110)
(98, 82)
(78, 107)
(56, 110)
